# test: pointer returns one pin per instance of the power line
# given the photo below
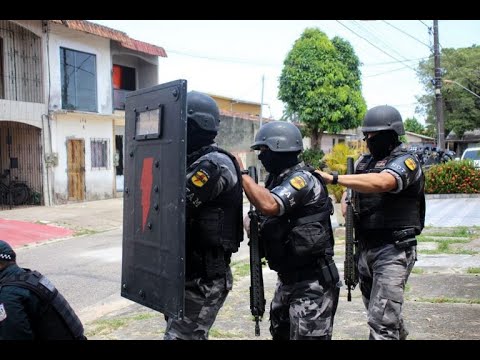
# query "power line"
(386, 72)
(373, 35)
(233, 60)
(413, 37)
(428, 27)
(393, 62)
(375, 46)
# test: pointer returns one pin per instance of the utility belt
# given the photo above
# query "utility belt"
(402, 239)
(326, 273)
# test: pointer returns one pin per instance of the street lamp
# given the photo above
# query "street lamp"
(463, 87)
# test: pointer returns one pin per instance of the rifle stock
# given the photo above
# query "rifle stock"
(350, 266)
(257, 297)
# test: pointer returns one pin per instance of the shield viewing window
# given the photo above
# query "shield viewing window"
(148, 124)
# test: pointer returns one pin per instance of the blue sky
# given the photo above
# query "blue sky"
(229, 57)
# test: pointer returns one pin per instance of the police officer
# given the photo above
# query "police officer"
(390, 201)
(30, 306)
(297, 236)
(214, 221)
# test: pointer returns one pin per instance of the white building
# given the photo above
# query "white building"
(62, 93)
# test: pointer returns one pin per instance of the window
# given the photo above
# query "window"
(99, 153)
(341, 141)
(123, 77)
(123, 80)
(79, 80)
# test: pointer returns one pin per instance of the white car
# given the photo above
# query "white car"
(472, 154)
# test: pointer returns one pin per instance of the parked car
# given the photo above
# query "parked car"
(472, 154)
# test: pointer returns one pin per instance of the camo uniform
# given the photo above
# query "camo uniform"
(214, 231)
(386, 259)
(304, 303)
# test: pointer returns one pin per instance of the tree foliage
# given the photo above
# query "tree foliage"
(413, 125)
(461, 108)
(320, 84)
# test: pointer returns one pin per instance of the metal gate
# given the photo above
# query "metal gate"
(20, 165)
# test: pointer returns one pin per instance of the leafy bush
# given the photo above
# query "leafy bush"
(313, 157)
(452, 177)
(336, 160)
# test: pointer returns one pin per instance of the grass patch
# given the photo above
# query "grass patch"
(104, 327)
(408, 288)
(418, 271)
(473, 270)
(219, 334)
(240, 269)
(82, 232)
(442, 300)
(107, 326)
(444, 248)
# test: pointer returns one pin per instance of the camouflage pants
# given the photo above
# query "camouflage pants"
(303, 311)
(203, 300)
(383, 273)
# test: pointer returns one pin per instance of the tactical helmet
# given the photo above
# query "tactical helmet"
(279, 136)
(384, 117)
(203, 110)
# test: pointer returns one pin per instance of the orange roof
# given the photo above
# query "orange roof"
(109, 33)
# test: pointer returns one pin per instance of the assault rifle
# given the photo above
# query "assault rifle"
(350, 266)
(257, 297)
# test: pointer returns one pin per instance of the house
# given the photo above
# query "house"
(414, 138)
(459, 144)
(62, 98)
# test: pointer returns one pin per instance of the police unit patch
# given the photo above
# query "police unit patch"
(3, 313)
(298, 182)
(200, 178)
(410, 163)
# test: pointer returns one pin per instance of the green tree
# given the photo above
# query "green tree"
(412, 124)
(320, 85)
(461, 109)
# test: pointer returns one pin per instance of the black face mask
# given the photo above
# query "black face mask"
(381, 144)
(197, 137)
(275, 162)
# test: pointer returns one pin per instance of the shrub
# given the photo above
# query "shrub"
(452, 177)
(336, 160)
(313, 157)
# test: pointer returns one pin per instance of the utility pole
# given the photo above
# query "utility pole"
(438, 89)
(261, 121)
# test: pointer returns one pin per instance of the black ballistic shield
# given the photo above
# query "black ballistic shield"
(153, 259)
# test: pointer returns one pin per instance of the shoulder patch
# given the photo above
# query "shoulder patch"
(298, 182)
(3, 313)
(410, 163)
(200, 178)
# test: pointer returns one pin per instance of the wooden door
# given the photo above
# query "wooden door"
(76, 169)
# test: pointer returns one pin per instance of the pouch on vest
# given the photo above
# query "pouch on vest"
(273, 234)
(308, 239)
(207, 228)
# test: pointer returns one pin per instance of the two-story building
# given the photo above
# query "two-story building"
(62, 98)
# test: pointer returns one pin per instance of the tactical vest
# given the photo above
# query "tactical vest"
(293, 241)
(214, 229)
(58, 321)
(379, 212)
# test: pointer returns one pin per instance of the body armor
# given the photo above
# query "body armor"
(58, 321)
(385, 212)
(214, 229)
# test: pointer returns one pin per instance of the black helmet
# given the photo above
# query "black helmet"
(279, 136)
(203, 110)
(384, 117)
